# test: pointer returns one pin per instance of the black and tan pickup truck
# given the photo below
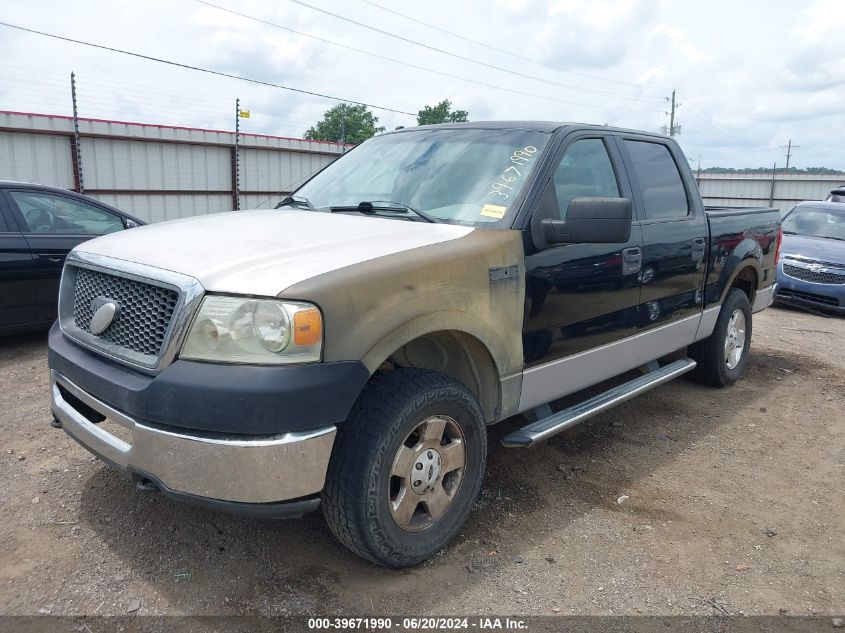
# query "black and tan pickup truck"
(349, 348)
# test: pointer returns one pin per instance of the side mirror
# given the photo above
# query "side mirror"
(591, 220)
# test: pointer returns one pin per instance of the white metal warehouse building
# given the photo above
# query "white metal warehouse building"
(156, 172)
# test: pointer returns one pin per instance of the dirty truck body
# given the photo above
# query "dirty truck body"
(350, 348)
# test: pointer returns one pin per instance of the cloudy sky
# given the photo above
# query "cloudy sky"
(749, 75)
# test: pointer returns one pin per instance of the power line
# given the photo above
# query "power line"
(440, 50)
(416, 66)
(487, 45)
(202, 70)
(723, 136)
(163, 105)
(709, 120)
(714, 132)
(87, 95)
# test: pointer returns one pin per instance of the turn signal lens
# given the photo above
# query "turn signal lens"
(307, 327)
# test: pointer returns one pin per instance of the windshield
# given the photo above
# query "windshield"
(816, 223)
(468, 176)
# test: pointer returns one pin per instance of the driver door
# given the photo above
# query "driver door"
(52, 224)
(581, 296)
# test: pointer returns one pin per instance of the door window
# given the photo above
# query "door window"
(50, 213)
(585, 171)
(663, 190)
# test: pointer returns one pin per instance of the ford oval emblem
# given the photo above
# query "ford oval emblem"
(103, 316)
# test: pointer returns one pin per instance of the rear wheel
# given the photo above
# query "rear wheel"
(406, 467)
(721, 357)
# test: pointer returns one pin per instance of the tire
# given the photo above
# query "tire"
(399, 520)
(715, 367)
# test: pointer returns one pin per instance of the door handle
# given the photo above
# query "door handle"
(51, 257)
(632, 260)
(699, 244)
(633, 254)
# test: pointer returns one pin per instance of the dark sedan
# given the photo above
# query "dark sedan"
(811, 270)
(39, 225)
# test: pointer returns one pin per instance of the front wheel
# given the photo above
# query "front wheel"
(721, 357)
(406, 467)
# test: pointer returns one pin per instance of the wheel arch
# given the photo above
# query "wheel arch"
(747, 279)
(459, 346)
(745, 276)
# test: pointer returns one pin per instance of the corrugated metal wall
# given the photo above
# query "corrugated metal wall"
(157, 172)
(125, 164)
(761, 190)
(36, 157)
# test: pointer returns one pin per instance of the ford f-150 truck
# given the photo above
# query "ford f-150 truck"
(350, 347)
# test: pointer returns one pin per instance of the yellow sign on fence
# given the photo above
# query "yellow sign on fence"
(244, 114)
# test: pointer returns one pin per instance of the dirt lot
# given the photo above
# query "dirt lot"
(688, 500)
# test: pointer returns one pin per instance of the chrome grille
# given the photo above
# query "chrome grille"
(144, 315)
(814, 276)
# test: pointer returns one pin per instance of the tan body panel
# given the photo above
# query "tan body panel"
(373, 308)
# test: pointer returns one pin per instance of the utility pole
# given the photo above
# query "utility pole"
(672, 116)
(788, 147)
(772, 189)
(77, 152)
(672, 129)
(237, 165)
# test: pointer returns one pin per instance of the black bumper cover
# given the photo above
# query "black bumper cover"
(216, 398)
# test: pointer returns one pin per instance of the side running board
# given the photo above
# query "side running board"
(566, 418)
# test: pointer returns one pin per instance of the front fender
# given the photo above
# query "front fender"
(443, 321)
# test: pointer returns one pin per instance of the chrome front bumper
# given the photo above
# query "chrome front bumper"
(267, 469)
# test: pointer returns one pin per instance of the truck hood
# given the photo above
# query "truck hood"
(817, 248)
(264, 252)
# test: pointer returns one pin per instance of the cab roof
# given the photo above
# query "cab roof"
(546, 127)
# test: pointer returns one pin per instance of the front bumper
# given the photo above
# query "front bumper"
(244, 474)
(808, 294)
(216, 398)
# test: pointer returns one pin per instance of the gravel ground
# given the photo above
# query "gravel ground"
(688, 500)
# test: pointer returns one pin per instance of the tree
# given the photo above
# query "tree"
(441, 113)
(347, 123)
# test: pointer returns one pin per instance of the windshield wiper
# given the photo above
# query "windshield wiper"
(296, 201)
(368, 207)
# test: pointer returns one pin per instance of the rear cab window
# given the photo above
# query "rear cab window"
(663, 191)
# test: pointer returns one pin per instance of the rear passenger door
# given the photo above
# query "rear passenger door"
(674, 232)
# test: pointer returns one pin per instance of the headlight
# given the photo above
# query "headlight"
(259, 331)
